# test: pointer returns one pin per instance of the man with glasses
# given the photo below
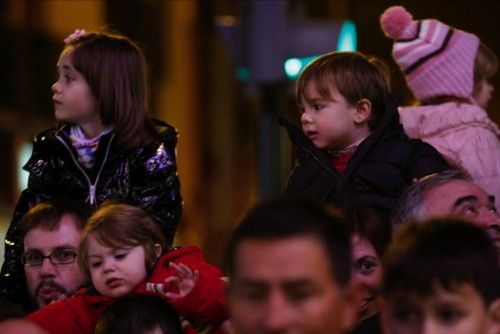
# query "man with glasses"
(51, 235)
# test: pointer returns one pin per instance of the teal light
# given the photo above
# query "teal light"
(347, 37)
(293, 66)
(347, 41)
(242, 73)
(23, 156)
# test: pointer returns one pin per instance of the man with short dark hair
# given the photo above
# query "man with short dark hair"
(289, 270)
(50, 233)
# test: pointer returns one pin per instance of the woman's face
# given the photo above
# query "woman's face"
(367, 272)
(483, 94)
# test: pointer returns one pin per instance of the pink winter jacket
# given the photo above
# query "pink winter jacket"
(463, 134)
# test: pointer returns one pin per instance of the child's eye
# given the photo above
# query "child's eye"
(406, 316)
(317, 106)
(120, 256)
(95, 264)
(449, 316)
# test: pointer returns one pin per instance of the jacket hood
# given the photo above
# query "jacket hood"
(431, 120)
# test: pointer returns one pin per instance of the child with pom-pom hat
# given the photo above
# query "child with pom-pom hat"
(447, 71)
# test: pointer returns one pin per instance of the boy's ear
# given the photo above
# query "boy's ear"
(363, 111)
(158, 250)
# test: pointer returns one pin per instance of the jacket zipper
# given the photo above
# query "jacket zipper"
(91, 198)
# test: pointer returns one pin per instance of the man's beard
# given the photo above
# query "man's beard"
(48, 291)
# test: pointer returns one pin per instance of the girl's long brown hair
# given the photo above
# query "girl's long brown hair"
(115, 70)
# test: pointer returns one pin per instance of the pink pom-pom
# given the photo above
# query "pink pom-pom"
(394, 21)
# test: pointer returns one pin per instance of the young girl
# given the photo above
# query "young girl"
(105, 147)
(447, 70)
(122, 252)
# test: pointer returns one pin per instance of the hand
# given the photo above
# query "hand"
(185, 281)
(58, 299)
(75, 35)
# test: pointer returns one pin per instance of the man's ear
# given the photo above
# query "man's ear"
(158, 250)
(363, 111)
(494, 316)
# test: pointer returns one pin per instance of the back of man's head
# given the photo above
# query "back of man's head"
(139, 314)
(291, 217)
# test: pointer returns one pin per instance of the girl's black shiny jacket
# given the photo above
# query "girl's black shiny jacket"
(145, 177)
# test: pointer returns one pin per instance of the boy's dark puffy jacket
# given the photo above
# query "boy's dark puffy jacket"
(381, 168)
(145, 177)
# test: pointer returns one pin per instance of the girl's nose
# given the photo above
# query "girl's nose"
(108, 266)
(55, 87)
(305, 118)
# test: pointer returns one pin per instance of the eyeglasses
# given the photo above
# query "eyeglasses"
(35, 258)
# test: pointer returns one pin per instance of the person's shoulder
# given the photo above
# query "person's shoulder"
(166, 132)
(181, 251)
(160, 152)
(401, 147)
(45, 136)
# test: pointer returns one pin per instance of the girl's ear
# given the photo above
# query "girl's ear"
(363, 111)
(158, 250)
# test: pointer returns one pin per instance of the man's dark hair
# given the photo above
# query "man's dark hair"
(47, 216)
(448, 252)
(289, 217)
(137, 314)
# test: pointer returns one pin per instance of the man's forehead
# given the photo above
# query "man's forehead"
(445, 198)
(450, 193)
(289, 260)
(66, 233)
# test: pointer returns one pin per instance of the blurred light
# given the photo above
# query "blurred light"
(22, 158)
(294, 66)
(347, 37)
(347, 41)
(228, 21)
(242, 73)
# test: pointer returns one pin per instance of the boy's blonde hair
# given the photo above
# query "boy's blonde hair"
(354, 75)
(119, 225)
